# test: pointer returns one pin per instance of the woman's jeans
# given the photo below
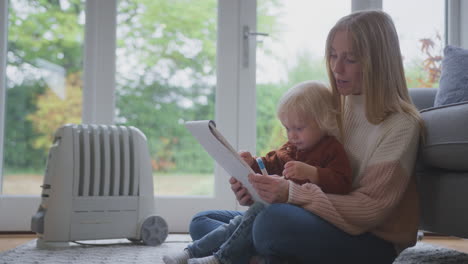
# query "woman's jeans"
(229, 242)
(288, 232)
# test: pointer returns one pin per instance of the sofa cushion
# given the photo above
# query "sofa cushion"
(423, 97)
(446, 141)
(453, 84)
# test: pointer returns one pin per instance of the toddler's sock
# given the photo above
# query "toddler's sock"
(177, 258)
(205, 260)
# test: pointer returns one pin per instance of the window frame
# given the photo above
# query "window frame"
(456, 22)
(99, 62)
(3, 54)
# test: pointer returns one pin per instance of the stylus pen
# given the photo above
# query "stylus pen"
(261, 165)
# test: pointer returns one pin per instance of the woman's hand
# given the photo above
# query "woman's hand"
(271, 188)
(242, 195)
(247, 157)
(300, 171)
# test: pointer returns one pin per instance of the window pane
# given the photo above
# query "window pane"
(44, 68)
(166, 53)
(293, 53)
(420, 26)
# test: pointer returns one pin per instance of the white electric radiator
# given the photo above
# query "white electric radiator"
(98, 184)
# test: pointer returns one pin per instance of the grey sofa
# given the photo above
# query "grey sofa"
(442, 165)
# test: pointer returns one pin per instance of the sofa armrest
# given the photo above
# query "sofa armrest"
(446, 142)
(423, 97)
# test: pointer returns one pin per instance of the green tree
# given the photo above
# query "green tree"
(53, 112)
(307, 67)
(158, 41)
(48, 30)
(41, 33)
(163, 40)
(19, 133)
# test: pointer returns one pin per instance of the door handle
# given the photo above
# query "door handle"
(246, 34)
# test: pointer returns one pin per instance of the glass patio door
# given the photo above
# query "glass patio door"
(41, 89)
(169, 69)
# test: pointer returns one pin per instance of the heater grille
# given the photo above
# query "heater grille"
(105, 161)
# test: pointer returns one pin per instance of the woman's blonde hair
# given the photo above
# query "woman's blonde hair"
(309, 100)
(375, 44)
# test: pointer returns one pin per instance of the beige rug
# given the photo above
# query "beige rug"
(122, 251)
(102, 252)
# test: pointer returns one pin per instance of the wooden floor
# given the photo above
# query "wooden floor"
(458, 244)
(9, 241)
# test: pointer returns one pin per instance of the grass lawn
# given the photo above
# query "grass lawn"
(164, 184)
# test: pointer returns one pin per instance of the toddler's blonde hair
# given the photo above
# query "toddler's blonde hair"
(310, 100)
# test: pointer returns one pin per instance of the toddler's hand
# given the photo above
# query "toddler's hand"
(300, 171)
(242, 194)
(247, 157)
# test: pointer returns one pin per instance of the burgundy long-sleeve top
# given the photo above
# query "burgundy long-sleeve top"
(328, 156)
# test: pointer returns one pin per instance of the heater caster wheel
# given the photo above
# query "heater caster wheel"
(154, 230)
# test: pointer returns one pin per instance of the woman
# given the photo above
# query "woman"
(380, 132)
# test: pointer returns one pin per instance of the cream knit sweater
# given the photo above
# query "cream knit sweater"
(384, 199)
